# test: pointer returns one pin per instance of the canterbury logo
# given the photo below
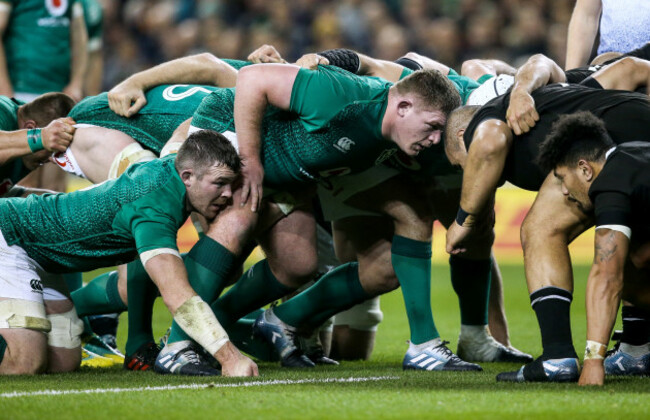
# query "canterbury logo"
(170, 95)
(344, 144)
(36, 286)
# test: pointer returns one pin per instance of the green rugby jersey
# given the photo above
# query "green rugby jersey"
(103, 225)
(333, 127)
(14, 171)
(167, 107)
(37, 44)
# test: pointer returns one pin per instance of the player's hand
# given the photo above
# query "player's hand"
(456, 238)
(593, 373)
(58, 134)
(521, 114)
(312, 61)
(266, 54)
(233, 363)
(126, 99)
(34, 160)
(252, 178)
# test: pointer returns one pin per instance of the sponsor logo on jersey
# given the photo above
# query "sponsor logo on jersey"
(344, 144)
(5, 186)
(170, 95)
(56, 8)
(335, 172)
(61, 159)
(385, 155)
(36, 285)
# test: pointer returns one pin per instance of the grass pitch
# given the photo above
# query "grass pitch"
(374, 389)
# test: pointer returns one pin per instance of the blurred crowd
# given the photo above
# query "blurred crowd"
(142, 33)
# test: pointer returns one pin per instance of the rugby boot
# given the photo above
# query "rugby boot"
(144, 357)
(95, 344)
(313, 349)
(282, 336)
(551, 370)
(434, 355)
(475, 344)
(181, 358)
(93, 360)
(621, 363)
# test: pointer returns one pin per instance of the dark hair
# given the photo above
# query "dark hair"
(573, 137)
(433, 87)
(206, 148)
(458, 119)
(47, 107)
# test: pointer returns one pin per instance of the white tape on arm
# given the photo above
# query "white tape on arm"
(147, 255)
(619, 228)
(196, 318)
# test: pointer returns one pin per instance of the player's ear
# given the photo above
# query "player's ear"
(586, 170)
(403, 107)
(29, 124)
(186, 176)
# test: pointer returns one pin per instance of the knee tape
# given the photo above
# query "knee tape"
(20, 313)
(131, 154)
(66, 330)
(365, 316)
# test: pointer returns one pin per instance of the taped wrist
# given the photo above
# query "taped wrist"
(34, 140)
(196, 318)
(595, 350)
(464, 218)
(343, 58)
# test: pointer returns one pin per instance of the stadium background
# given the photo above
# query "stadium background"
(141, 33)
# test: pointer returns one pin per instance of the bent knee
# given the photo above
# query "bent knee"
(22, 355)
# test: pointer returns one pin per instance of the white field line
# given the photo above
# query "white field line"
(49, 392)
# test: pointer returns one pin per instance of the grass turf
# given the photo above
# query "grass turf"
(395, 394)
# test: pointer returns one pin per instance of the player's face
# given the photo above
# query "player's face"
(574, 187)
(211, 193)
(419, 129)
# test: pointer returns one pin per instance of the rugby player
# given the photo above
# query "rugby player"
(137, 214)
(480, 140)
(610, 182)
(24, 145)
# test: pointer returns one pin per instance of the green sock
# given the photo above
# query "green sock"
(256, 288)
(208, 265)
(471, 282)
(336, 291)
(412, 264)
(100, 296)
(142, 293)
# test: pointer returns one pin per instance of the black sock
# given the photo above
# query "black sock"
(552, 306)
(636, 324)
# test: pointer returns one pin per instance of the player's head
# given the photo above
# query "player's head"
(208, 164)
(44, 109)
(419, 107)
(454, 131)
(574, 150)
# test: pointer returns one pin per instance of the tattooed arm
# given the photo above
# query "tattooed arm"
(603, 296)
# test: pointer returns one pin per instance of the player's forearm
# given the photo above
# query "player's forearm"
(476, 68)
(168, 273)
(79, 48)
(13, 144)
(602, 299)
(628, 73)
(583, 27)
(538, 71)
(387, 70)
(428, 63)
(94, 74)
(195, 69)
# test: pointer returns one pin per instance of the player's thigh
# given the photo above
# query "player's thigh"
(290, 246)
(25, 351)
(369, 240)
(552, 216)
